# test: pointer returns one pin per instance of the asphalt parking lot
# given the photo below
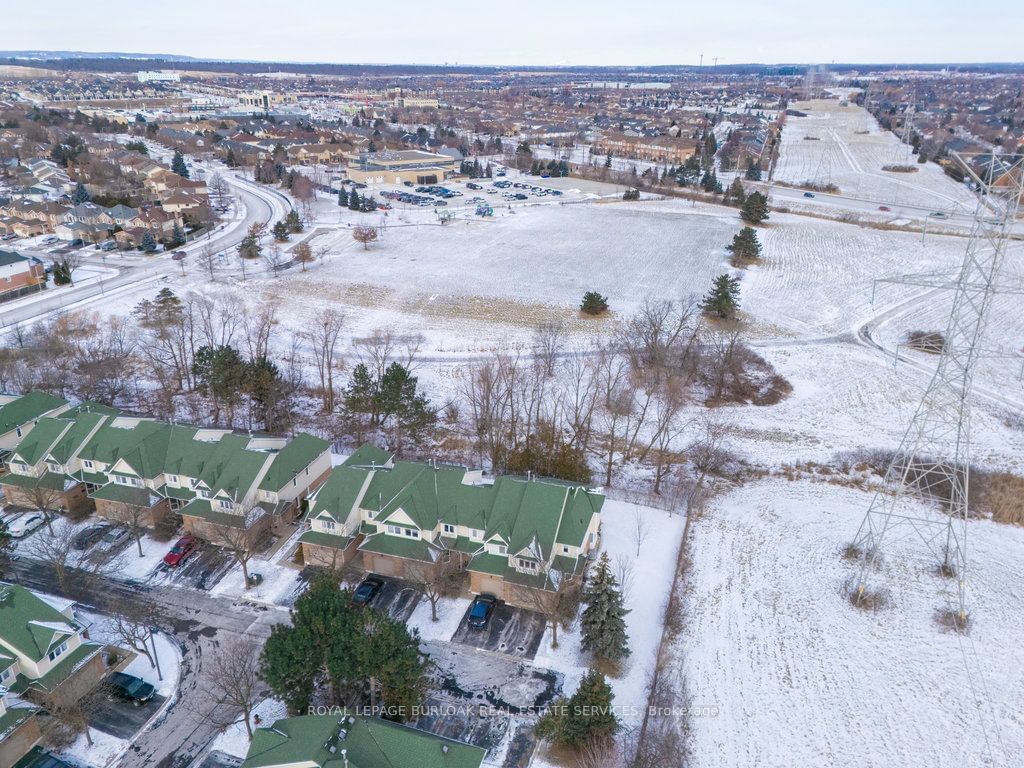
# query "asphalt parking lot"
(200, 571)
(513, 631)
(397, 598)
(220, 760)
(122, 719)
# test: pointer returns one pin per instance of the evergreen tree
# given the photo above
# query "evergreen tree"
(584, 718)
(178, 165)
(177, 236)
(735, 193)
(608, 160)
(80, 195)
(343, 197)
(724, 297)
(293, 222)
(280, 231)
(603, 622)
(354, 202)
(745, 246)
(755, 208)
(148, 244)
(594, 303)
(231, 161)
(753, 172)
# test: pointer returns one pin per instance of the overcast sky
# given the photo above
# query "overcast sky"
(533, 32)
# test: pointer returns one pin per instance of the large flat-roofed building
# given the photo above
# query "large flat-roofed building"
(397, 166)
(163, 76)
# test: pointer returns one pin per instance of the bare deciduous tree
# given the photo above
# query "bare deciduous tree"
(233, 674)
(364, 235)
(436, 580)
(548, 339)
(323, 334)
(641, 529)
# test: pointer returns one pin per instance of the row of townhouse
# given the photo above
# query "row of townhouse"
(45, 653)
(517, 538)
(91, 222)
(138, 469)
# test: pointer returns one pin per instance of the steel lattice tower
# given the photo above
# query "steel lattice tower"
(934, 456)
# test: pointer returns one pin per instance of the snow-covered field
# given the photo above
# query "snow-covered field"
(845, 146)
(801, 678)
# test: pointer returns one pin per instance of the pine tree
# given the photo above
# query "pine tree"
(753, 172)
(280, 231)
(608, 161)
(594, 303)
(603, 622)
(177, 236)
(587, 716)
(231, 161)
(343, 197)
(755, 208)
(724, 297)
(353, 201)
(148, 244)
(745, 246)
(80, 195)
(178, 165)
(735, 193)
(293, 222)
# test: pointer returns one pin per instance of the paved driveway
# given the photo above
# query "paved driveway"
(122, 719)
(513, 631)
(397, 598)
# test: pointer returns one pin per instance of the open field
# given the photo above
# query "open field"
(799, 677)
(845, 146)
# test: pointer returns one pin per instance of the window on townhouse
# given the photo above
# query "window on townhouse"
(448, 528)
(525, 564)
(411, 533)
(329, 525)
(172, 479)
(6, 675)
(593, 539)
(502, 549)
(225, 504)
(475, 533)
(565, 549)
(137, 482)
(87, 464)
(52, 655)
(203, 494)
(54, 467)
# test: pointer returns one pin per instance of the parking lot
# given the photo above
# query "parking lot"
(200, 571)
(397, 598)
(123, 719)
(512, 631)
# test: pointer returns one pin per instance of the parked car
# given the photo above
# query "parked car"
(473, 185)
(131, 688)
(89, 536)
(23, 525)
(368, 589)
(808, 194)
(481, 609)
(115, 537)
(884, 208)
(182, 549)
(8, 236)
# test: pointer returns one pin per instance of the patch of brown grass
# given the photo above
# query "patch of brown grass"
(951, 621)
(864, 598)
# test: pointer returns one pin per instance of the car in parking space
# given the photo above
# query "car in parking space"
(183, 548)
(8, 236)
(131, 688)
(519, 196)
(473, 185)
(89, 536)
(23, 525)
(884, 208)
(481, 609)
(808, 194)
(115, 537)
(408, 183)
(368, 589)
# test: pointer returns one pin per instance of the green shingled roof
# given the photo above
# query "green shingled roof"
(35, 446)
(301, 451)
(368, 743)
(26, 408)
(28, 624)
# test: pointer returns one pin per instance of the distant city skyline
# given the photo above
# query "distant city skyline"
(531, 32)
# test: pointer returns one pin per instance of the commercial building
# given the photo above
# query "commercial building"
(396, 167)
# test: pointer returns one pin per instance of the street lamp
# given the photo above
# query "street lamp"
(156, 659)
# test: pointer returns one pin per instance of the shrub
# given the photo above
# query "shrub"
(594, 303)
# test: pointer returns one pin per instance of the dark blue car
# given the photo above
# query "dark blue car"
(481, 609)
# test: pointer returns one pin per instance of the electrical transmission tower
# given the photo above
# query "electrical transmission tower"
(933, 460)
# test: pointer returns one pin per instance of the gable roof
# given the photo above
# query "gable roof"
(368, 743)
(301, 451)
(26, 408)
(29, 624)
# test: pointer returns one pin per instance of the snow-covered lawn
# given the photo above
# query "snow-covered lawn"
(845, 146)
(278, 587)
(799, 677)
(646, 594)
(104, 751)
(450, 611)
(168, 654)
(235, 741)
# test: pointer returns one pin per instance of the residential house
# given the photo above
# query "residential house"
(49, 646)
(20, 275)
(141, 470)
(19, 728)
(351, 741)
(18, 414)
(518, 538)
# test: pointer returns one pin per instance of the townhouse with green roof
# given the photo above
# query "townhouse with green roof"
(44, 648)
(137, 469)
(19, 727)
(351, 741)
(18, 414)
(519, 539)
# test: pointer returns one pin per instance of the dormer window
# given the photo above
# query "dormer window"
(525, 564)
(172, 479)
(448, 528)
(87, 464)
(475, 533)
